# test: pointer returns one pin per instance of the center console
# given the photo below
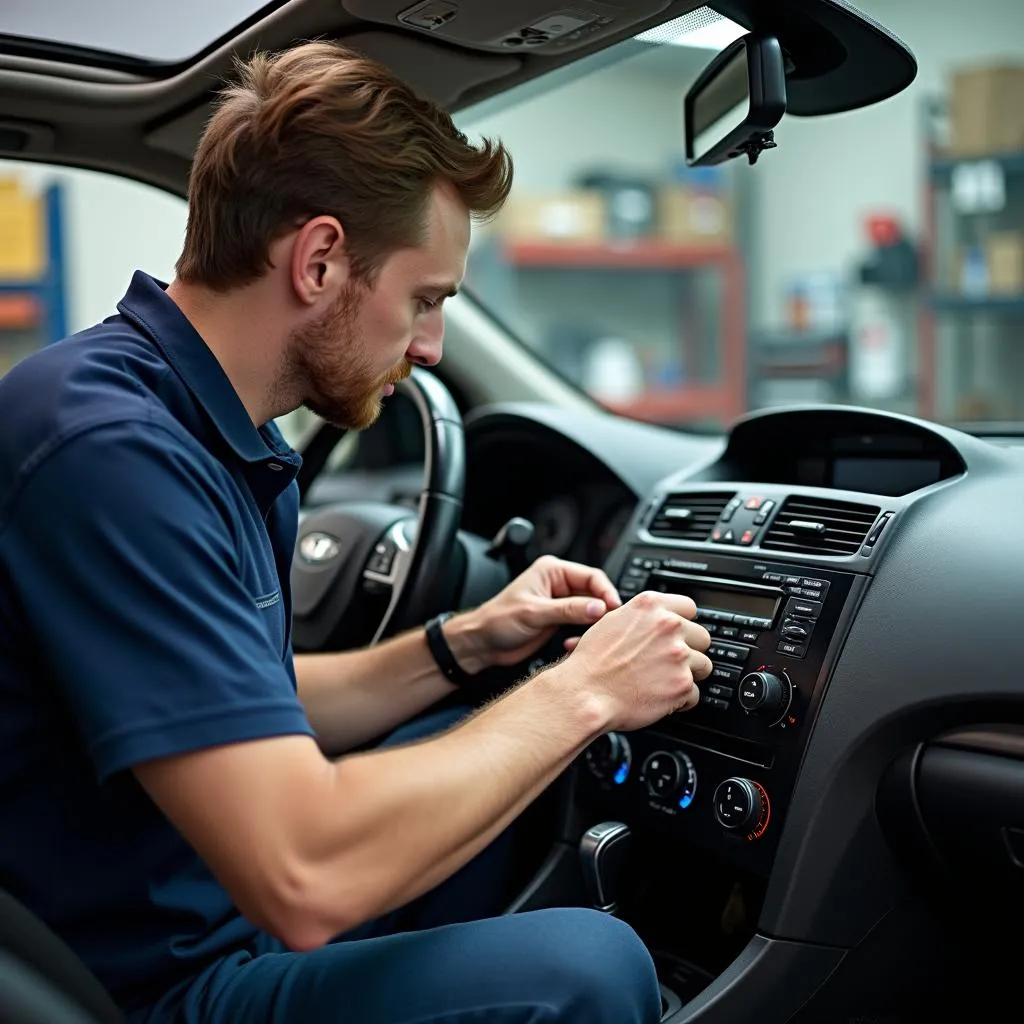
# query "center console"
(720, 775)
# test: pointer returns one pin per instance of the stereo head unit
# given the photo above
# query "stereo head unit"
(721, 774)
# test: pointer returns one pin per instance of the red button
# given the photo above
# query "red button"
(748, 537)
(716, 534)
(754, 502)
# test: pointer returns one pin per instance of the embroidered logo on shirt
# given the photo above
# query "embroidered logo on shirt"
(269, 601)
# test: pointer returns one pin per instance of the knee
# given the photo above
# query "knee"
(604, 973)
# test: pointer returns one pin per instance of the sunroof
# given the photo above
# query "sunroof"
(156, 31)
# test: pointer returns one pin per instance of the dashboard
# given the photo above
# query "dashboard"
(859, 576)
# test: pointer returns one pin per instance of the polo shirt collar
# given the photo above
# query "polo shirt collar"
(147, 305)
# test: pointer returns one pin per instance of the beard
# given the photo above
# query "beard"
(328, 367)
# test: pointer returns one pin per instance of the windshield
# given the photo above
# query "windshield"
(874, 258)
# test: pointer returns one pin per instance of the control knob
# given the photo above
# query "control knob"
(766, 695)
(610, 758)
(741, 805)
(670, 777)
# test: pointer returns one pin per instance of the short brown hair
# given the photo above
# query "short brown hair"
(321, 129)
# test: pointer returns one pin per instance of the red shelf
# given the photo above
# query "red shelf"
(682, 405)
(646, 254)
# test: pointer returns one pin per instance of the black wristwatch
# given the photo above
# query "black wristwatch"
(438, 644)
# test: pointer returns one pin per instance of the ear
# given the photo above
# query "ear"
(319, 263)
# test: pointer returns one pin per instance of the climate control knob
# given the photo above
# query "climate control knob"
(610, 758)
(766, 695)
(741, 805)
(670, 777)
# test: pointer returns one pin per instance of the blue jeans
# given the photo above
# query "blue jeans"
(444, 958)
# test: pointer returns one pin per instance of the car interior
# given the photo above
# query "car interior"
(836, 832)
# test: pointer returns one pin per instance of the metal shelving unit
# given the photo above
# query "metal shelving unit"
(968, 343)
(41, 303)
(715, 386)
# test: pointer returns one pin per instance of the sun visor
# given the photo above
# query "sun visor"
(837, 57)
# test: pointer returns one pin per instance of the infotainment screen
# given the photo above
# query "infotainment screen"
(723, 599)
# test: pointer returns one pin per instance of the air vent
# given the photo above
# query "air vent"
(688, 516)
(820, 527)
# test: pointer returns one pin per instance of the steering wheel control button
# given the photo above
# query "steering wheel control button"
(766, 695)
(670, 777)
(383, 556)
(741, 805)
(610, 758)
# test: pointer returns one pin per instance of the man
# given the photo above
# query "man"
(169, 803)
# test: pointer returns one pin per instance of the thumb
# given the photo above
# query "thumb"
(580, 610)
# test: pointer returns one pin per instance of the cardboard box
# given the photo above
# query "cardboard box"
(987, 111)
(694, 218)
(22, 232)
(1005, 251)
(561, 217)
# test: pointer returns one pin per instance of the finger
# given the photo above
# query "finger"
(571, 642)
(579, 611)
(701, 666)
(572, 578)
(678, 603)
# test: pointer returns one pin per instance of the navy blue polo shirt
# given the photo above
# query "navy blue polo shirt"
(146, 534)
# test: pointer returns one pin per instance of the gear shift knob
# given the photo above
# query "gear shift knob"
(602, 853)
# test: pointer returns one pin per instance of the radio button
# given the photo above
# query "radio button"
(730, 673)
(773, 577)
(718, 690)
(728, 632)
(803, 609)
(791, 649)
(795, 631)
(814, 584)
(714, 702)
(750, 636)
(793, 581)
(742, 620)
(759, 623)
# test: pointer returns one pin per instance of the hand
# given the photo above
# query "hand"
(642, 661)
(517, 622)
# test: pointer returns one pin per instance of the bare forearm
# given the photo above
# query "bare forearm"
(430, 807)
(353, 697)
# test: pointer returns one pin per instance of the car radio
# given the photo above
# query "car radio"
(722, 771)
(770, 628)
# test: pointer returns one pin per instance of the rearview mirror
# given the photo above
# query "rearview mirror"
(737, 101)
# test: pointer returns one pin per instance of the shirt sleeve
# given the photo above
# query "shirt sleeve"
(121, 549)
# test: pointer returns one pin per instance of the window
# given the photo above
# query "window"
(876, 257)
(69, 243)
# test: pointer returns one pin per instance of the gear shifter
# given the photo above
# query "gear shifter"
(603, 851)
(513, 545)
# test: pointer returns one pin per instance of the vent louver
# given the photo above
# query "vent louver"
(688, 516)
(819, 527)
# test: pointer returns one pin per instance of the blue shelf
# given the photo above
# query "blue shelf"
(942, 167)
(50, 288)
(951, 303)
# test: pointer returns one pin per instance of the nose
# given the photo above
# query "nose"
(427, 346)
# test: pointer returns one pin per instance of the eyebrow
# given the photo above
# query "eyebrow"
(444, 290)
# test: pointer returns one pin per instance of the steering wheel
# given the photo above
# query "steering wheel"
(354, 558)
